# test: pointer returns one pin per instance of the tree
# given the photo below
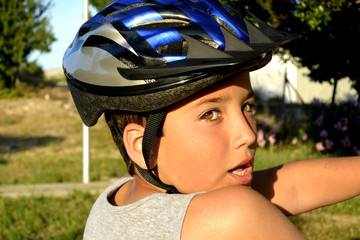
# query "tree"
(329, 48)
(24, 28)
(99, 4)
(330, 32)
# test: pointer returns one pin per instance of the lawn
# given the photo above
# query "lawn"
(40, 142)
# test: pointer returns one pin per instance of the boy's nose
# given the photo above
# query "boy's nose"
(244, 132)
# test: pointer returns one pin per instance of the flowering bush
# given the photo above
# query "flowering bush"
(266, 134)
(335, 128)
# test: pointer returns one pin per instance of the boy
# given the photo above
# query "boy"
(172, 78)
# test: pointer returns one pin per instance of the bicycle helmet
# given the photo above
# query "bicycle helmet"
(144, 55)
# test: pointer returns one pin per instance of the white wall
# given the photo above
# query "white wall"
(269, 82)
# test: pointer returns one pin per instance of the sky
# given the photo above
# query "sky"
(66, 17)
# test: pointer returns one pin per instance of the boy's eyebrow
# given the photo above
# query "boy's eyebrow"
(250, 94)
(221, 99)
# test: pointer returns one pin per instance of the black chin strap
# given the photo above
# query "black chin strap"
(153, 125)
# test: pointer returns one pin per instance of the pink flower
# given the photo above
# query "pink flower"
(261, 142)
(339, 126)
(346, 141)
(319, 146)
(344, 122)
(294, 141)
(305, 138)
(329, 144)
(323, 134)
(272, 139)
(260, 138)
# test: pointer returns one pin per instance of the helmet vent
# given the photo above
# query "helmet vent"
(181, 47)
(132, 6)
(224, 25)
(166, 23)
(174, 48)
(210, 43)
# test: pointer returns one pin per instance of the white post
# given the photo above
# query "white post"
(86, 154)
(86, 130)
(86, 10)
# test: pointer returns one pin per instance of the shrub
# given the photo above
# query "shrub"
(266, 135)
(6, 93)
(334, 128)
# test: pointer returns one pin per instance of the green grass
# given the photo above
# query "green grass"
(339, 221)
(277, 155)
(44, 217)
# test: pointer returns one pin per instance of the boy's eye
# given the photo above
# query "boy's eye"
(250, 107)
(210, 115)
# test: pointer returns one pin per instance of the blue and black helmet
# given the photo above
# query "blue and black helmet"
(144, 55)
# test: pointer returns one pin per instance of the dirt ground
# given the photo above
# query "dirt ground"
(41, 140)
(43, 115)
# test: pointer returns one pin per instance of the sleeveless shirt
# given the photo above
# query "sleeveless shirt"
(158, 216)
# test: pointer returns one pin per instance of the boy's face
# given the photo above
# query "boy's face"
(209, 139)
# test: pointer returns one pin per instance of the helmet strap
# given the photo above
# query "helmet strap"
(153, 125)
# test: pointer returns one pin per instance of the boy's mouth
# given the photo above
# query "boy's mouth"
(243, 173)
(239, 172)
(241, 169)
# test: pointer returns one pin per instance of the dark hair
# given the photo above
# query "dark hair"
(117, 122)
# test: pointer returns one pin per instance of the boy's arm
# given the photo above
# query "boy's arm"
(301, 186)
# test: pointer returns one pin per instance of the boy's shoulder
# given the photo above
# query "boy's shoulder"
(235, 212)
(212, 212)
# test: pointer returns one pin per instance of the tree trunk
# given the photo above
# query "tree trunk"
(334, 91)
(8, 82)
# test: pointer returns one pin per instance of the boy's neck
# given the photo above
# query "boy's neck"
(132, 191)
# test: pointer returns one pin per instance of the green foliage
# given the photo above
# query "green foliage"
(7, 93)
(317, 14)
(24, 28)
(99, 4)
(330, 34)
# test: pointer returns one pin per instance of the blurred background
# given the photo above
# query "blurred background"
(308, 98)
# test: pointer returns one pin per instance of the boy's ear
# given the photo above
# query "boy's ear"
(133, 137)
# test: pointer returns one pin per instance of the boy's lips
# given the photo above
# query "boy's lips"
(243, 173)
